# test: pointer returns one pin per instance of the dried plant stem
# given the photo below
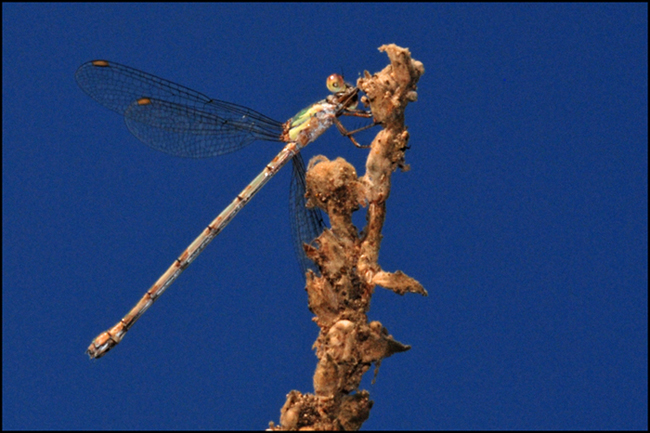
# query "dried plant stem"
(348, 345)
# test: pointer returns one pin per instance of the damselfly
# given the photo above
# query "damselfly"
(182, 122)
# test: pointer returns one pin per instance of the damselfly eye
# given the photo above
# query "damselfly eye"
(335, 83)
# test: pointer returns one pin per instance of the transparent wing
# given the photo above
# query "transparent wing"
(306, 224)
(173, 118)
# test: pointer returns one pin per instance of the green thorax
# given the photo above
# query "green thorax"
(300, 121)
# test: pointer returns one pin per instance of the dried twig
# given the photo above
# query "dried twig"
(348, 345)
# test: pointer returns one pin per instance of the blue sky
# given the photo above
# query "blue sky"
(524, 215)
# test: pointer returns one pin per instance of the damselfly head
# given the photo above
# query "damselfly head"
(343, 93)
(336, 83)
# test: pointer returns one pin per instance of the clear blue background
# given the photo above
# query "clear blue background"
(524, 215)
